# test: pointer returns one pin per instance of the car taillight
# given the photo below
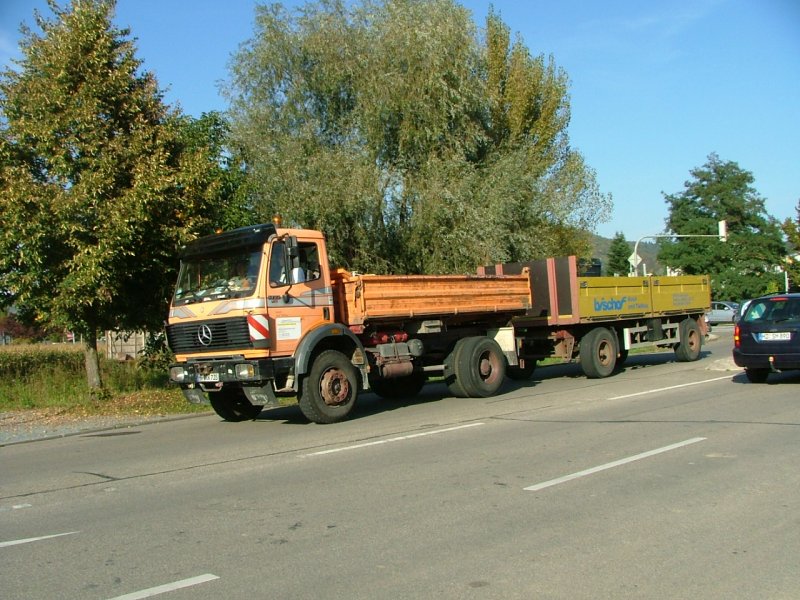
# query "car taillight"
(736, 339)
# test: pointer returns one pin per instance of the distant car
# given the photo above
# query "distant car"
(767, 337)
(722, 312)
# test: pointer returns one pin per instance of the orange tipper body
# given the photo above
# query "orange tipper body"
(364, 299)
(260, 318)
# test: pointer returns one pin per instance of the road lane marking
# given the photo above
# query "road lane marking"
(15, 507)
(167, 587)
(672, 387)
(611, 465)
(34, 539)
(394, 439)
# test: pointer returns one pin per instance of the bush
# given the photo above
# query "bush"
(55, 376)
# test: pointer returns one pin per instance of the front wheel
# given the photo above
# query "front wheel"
(481, 367)
(232, 405)
(688, 349)
(330, 390)
(598, 353)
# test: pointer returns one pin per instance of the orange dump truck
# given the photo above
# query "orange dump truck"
(258, 315)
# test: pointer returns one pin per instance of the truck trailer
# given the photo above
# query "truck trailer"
(258, 317)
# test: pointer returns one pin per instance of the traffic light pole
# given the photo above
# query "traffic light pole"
(722, 235)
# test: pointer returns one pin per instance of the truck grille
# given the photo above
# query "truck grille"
(202, 336)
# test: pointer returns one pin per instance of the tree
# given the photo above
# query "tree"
(618, 253)
(415, 144)
(748, 264)
(99, 186)
(792, 230)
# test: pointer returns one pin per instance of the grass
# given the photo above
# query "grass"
(53, 378)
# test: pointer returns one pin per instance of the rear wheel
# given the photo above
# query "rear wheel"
(598, 353)
(756, 375)
(330, 390)
(232, 405)
(688, 349)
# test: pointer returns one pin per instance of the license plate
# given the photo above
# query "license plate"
(208, 377)
(776, 336)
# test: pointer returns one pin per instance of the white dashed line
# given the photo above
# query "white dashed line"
(611, 465)
(168, 587)
(34, 539)
(394, 439)
(672, 387)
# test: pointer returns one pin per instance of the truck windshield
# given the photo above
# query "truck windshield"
(204, 278)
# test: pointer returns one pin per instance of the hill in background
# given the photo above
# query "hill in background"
(647, 250)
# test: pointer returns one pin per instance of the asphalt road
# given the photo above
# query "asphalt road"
(668, 480)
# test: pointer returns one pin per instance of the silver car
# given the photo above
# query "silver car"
(722, 312)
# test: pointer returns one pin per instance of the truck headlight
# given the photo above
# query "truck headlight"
(177, 374)
(245, 371)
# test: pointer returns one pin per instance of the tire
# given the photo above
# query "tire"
(399, 387)
(481, 367)
(598, 353)
(452, 375)
(330, 391)
(232, 405)
(518, 373)
(688, 349)
(757, 375)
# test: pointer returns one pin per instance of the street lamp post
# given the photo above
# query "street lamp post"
(722, 235)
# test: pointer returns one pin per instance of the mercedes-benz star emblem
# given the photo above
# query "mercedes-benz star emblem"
(204, 335)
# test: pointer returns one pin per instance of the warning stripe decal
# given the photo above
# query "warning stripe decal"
(259, 327)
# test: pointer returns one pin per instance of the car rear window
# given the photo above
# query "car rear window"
(773, 310)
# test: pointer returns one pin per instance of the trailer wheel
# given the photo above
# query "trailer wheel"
(598, 353)
(688, 349)
(481, 367)
(330, 390)
(399, 387)
(453, 375)
(232, 405)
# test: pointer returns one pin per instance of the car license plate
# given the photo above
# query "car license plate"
(776, 336)
(208, 377)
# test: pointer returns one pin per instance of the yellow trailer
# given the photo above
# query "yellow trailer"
(599, 319)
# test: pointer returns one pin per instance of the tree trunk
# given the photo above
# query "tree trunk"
(92, 364)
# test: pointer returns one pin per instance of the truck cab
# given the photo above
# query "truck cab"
(244, 301)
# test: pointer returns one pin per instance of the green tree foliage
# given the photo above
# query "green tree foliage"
(618, 253)
(748, 263)
(792, 230)
(225, 171)
(416, 144)
(99, 183)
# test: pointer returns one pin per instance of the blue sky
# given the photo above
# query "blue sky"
(655, 86)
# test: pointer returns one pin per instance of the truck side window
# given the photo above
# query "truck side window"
(309, 260)
(277, 265)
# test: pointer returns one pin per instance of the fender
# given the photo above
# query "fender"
(307, 345)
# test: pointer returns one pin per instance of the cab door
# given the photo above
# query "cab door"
(299, 295)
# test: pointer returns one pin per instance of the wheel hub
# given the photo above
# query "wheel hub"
(334, 388)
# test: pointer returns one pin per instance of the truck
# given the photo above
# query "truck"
(260, 319)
